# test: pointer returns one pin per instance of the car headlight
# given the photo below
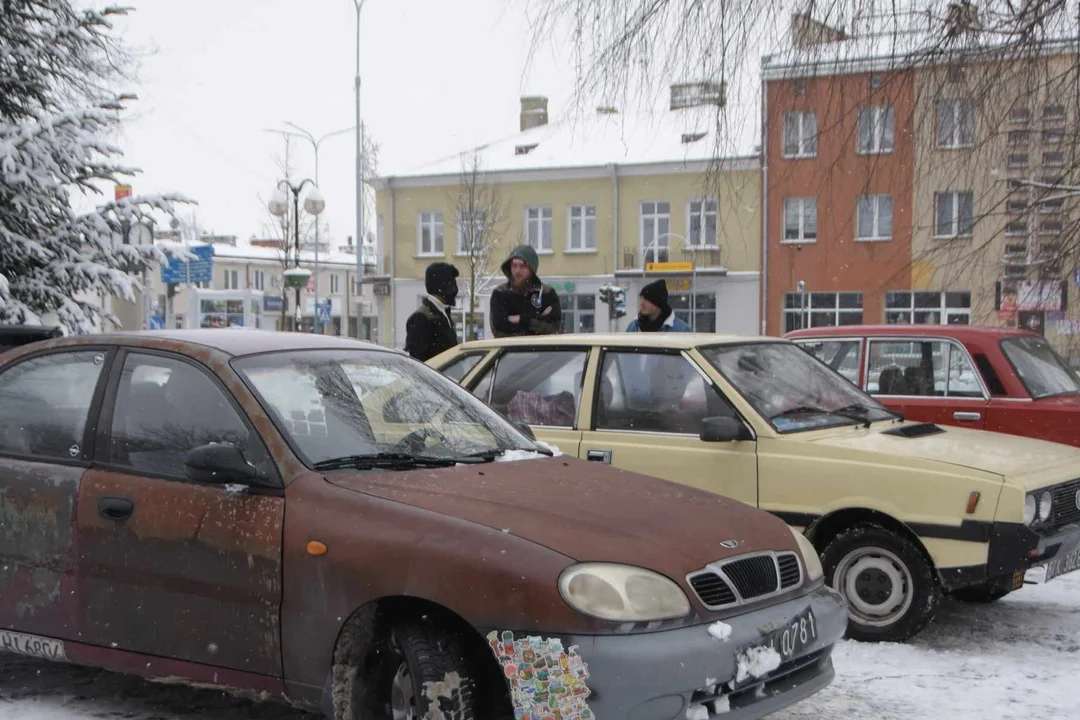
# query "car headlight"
(622, 593)
(1031, 509)
(1046, 504)
(810, 556)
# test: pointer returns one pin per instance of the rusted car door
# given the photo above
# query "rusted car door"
(47, 407)
(171, 567)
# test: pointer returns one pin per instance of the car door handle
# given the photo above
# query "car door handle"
(118, 509)
(603, 456)
(967, 416)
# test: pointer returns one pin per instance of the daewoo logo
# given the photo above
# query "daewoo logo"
(732, 544)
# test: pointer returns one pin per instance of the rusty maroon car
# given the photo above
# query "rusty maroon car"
(336, 525)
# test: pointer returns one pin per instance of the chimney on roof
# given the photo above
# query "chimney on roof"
(693, 94)
(808, 32)
(534, 112)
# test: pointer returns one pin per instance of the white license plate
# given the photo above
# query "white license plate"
(1065, 563)
(789, 641)
(32, 646)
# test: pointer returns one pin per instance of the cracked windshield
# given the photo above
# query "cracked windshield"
(539, 359)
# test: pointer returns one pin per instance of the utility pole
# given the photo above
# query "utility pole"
(359, 4)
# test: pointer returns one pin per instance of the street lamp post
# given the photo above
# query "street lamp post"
(314, 203)
(359, 4)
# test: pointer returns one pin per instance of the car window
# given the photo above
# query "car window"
(1042, 370)
(903, 367)
(538, 387)
(45, 402)
(653, 392)
(164, 409)
(841, 355)
(461, 366)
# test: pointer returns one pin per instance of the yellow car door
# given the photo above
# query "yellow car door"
(652, 410)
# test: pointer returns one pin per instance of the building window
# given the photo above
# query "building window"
(1016, 207)
(232, 279)
(1020, 114)
(822, 309)
(702, 223)
(954, 214)
(1054, 158)
(582, 227)
(956, 124)
(1051, 206)
(800, 220)
(875, 217)
(260, 279)
(335, 284)
(1053, 137)
(538, 228)
(431, 233)
(800, 134)
(472, 226)
(655, 226)
(1017, 228)
(1054, 112)
(578, 313)
(1017, 160)
(1050, 227)
(1017, 138)
(877, 130)
(927, 308)
(698, 310)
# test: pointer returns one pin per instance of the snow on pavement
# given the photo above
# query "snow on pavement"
(1017, 659)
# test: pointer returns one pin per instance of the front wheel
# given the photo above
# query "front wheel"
(889, 585)
(431, 678)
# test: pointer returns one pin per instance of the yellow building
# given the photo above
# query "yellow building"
(600, 196)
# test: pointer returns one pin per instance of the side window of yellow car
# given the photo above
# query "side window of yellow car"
(537, 387)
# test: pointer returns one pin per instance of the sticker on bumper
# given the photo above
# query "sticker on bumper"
(32, 646)
(544, 678)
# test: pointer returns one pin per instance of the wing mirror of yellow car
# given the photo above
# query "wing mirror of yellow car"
(723, 429)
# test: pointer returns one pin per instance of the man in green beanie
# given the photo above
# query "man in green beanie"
(524, 305)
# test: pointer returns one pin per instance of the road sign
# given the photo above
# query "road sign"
(122, 191)
(669, 267)
(323, 310)
(157, 322)
(175, 271)
(274, 303)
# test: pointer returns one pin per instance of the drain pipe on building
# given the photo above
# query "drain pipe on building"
(393, 263)
(764, 206)
(613, 324)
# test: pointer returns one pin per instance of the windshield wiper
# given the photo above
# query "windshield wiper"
(810, 409)
(392, 460)
(865, 410)
(490, 454)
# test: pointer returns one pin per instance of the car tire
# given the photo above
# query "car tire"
(890, 587)
(430, 676)
(984, 594)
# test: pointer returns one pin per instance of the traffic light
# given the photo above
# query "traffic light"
(620, 302)
(615, 298)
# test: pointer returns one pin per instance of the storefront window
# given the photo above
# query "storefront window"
(221, 313)
(703, 310)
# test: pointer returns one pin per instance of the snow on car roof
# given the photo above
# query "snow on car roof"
(676, 341)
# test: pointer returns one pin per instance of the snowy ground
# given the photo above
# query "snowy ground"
(1017, 659)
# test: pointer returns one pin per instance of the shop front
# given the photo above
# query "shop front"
(219, 309)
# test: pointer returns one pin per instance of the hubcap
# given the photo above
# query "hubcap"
(877, 585)
(402, 698)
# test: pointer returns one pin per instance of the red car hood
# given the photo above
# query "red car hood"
(586, 511)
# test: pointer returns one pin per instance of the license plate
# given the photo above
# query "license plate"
(32, 646)
(1066, 562)
(758, 659)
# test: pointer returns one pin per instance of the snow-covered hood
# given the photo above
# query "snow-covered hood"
(1010, 456)
(586, 511)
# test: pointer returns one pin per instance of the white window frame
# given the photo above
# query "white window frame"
(1055, 117)
(1058, 135)
(259, 279)
(662, 240)
(435, 223)
(579, 243)
(807, 134)
(955, 222)
(806, 315)
(882, 120)
(876, 202)
(335, 284)
(232, 279)
(1018, 138)
(941, 308)
(802, 239)
(955, 108)
(537, 219)
(1019, 114)
(1017, 161)
(478, 219)
(1059, 163)
(707, 207)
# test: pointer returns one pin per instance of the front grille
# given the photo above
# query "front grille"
(753, 576)
(1065, 510)
(790, 574)
(712, 589)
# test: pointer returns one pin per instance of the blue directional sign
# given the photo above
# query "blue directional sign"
(157, 322)
(176, 271)
(323, 309)
(274, 303)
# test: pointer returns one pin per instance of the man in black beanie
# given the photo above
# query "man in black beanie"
(654, 313)
(430, 330)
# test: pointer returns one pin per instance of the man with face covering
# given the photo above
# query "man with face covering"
(524, 305)
(430, 330)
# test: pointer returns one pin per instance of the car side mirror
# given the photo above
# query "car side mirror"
(524, 429)
(218, 463)
(723, 429)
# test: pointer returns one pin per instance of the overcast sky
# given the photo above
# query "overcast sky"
(438, 77)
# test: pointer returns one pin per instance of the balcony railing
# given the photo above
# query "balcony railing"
(702, 258)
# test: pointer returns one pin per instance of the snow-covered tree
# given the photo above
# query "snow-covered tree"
(56, 114)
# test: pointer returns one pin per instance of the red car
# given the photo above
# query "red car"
(1003, 380)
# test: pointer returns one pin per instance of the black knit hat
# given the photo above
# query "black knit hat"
(656, 293)
(440, 280)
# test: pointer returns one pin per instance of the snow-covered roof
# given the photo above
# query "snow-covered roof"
(244, 250)
(590, 139)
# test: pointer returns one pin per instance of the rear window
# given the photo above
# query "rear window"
(1042, 370)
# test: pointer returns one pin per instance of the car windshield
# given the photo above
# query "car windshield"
(1042, 370)
(791, 389)
(349, 407)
